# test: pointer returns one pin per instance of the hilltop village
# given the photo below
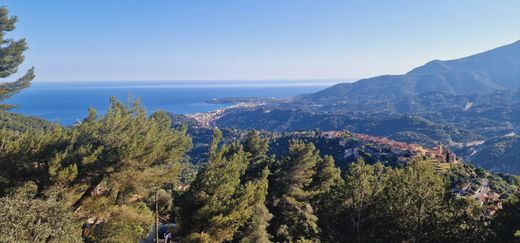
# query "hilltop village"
(347, 147)
(404, 151)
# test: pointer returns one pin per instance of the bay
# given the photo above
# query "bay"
(67, 102)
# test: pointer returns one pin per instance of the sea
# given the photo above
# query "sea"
(68, 102)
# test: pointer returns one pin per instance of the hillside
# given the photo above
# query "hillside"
(406, 128)
(498, 154)
(19, 123)
(482, 73)
(458, 102)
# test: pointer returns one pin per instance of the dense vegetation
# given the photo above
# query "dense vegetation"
(455, 102)
(406, 128)
(103, 179)
(104, 172)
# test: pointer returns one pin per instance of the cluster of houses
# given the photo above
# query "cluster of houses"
(404, 151)
(207, 119)
(483, 194)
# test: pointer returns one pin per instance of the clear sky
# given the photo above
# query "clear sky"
(253, 39)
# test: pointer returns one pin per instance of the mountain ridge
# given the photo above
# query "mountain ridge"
(492, 70)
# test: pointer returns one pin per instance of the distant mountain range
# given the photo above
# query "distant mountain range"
(493, 70)
(471, 104)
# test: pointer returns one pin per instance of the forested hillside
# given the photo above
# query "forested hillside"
(126, 175)
(461, 103)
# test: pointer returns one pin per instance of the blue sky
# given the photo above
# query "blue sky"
(253, 39)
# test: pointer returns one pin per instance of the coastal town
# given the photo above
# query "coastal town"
(207, 119)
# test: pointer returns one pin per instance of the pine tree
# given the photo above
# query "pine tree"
(294, 217)
(133, 152)
(216, 204)
(256, 228)
(125, 153)
(226, 200)
(25, 219)
(11, 56)
(327, 175)
(348, 211)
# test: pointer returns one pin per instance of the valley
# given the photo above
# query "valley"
(440, 102)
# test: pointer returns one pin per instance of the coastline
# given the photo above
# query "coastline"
(207, 119)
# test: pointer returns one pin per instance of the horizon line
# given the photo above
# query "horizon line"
(201, 80)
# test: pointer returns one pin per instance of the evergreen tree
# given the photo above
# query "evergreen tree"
(294, 217)
(349, 212)
(105, 166)
(506, 224)
(226, 200)
(25, 219)
(127, 223)
(364, 185)
(36, 156)
(256, 228)
(11, 56)
(218, 202)
(327, 175)
(128, 151)
(461, 220)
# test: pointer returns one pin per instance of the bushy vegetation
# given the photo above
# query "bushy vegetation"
(308, 201)
(102, 179)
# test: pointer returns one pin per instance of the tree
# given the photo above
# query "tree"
(506, 224)
(226, 200)
(125, 149)
(131, 151)
(25, 219)
(410, 204)
(106, 166)
(294, 217)
(349, 212)
(217, 203)
(126, 224)
(327, 175)
(461, 220)
(36, 155)
(413, 202)
(256, 149)
(11, 56)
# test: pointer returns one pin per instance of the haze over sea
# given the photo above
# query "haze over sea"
(67, 102)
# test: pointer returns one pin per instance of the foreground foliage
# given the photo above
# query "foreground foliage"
(106, 167)
(48, 219)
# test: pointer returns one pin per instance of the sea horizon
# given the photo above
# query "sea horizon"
(44, 99)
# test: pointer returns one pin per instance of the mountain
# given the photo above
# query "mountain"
(468, 104)
(410, 129)
(501, 65)
(496, 69)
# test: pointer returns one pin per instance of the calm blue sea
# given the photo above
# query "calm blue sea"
(67, 102)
